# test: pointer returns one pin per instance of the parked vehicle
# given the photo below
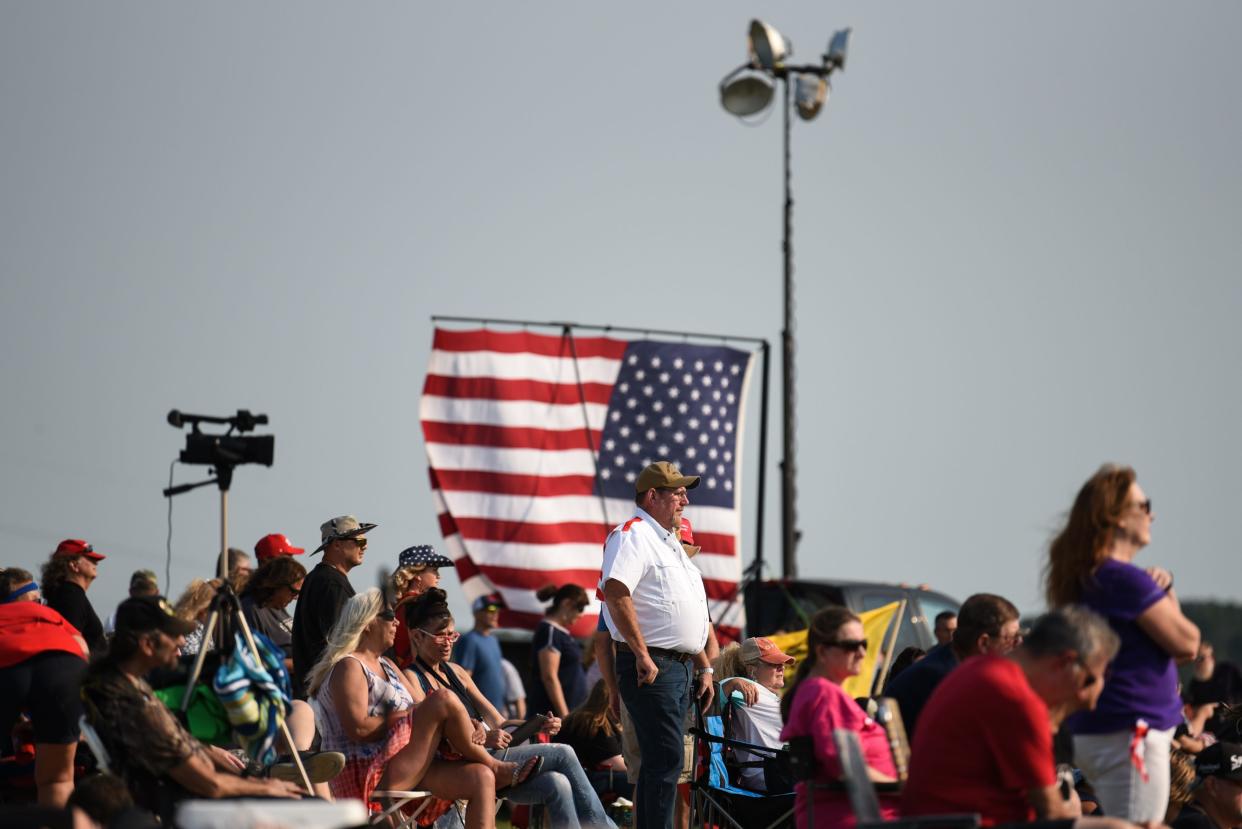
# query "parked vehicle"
(781, 606)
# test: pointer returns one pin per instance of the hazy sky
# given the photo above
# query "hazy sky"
(1016, 234)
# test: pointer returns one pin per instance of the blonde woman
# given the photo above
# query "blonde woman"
(367, 713)
(754, 675)
(194, 606)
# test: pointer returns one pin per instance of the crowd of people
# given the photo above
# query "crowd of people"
(1076, 719)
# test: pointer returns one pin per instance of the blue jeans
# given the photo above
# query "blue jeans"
(658, 712)
(561, 787)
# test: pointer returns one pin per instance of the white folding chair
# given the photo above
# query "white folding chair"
(393, 801)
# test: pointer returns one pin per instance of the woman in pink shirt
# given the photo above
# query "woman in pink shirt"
(816, 704)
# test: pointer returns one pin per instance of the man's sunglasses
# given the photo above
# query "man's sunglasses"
(361, 542)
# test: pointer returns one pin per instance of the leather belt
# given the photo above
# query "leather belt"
(662, 652)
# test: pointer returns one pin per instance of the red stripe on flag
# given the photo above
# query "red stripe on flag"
(503, 483)
(716, 543)
(466, 568)
(491, 388)
(518, 342)
(723, 591)
(517, 577)
(525, 532)
(510, 437)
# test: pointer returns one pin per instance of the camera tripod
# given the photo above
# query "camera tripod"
(226, 602)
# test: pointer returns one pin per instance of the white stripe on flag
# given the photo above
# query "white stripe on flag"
(516, 413)
(513, 461)
(523, 367)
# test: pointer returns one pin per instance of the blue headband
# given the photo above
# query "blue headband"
(21, 591)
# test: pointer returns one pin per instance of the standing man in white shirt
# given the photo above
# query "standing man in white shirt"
(656, 612)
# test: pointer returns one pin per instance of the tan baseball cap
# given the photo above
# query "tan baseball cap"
(664, 475)
(343, 526)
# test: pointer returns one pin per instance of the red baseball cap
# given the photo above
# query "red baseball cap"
(77, 547)
(687, 538)
(276, 544)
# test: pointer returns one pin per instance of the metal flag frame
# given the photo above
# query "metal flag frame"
(752, 572)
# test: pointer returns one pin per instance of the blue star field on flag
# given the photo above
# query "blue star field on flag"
(677, 402)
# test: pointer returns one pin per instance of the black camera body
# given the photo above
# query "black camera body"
(229, 449)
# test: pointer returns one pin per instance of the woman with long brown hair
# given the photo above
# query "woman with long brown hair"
(594, 734)
(1090, 562)
(815, 705)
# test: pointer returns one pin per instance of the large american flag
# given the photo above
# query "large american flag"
(534, 442)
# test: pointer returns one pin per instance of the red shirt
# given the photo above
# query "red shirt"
(29, 628)
(984, 740)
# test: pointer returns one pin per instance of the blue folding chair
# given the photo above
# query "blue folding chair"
(716, 801)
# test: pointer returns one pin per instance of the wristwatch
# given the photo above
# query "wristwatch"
(702, 671)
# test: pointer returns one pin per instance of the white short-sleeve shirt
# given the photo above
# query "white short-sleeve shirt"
(758, 724)
(665, 586)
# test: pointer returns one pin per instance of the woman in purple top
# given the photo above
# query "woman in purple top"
(1090, 563)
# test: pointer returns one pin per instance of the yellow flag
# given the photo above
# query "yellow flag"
(875, 624)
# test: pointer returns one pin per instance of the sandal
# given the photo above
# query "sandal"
(523, 773)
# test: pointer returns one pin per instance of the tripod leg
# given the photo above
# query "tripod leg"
(284, 728)
(203, 647)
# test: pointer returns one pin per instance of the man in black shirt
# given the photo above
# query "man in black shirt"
(1217, 802)
(324, 592)
(66, 577)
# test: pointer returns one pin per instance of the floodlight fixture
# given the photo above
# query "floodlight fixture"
(768, 47)
(810, 93)
(746, 92)
(838, 48)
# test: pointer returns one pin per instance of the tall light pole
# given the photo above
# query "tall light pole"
(746, 91)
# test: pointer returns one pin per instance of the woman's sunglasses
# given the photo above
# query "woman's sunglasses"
(849, 644)
(387, 614)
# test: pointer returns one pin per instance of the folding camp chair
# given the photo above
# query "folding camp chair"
(888, 715)
(91, 737)
(392, 801)
(863, 799)
(716, 801)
